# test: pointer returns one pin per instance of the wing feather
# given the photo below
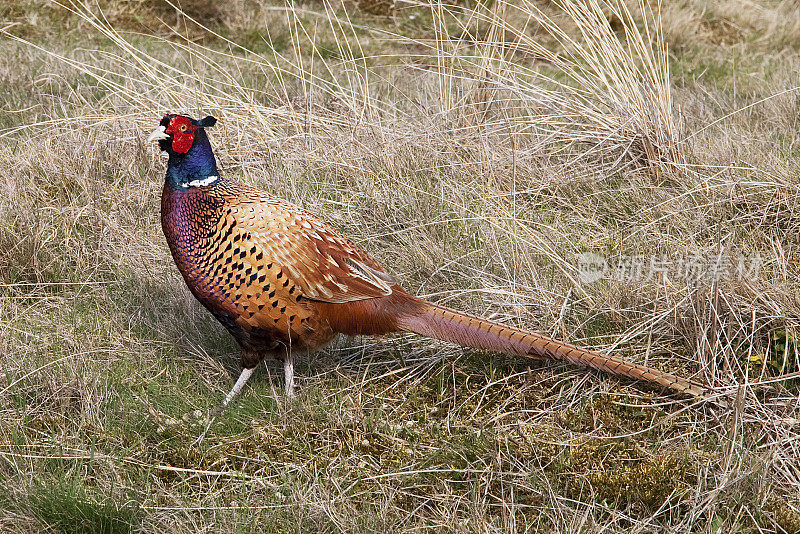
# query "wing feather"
(324, 264)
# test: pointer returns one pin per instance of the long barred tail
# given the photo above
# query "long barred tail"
(449, 325)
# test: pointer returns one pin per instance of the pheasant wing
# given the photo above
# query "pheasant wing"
(324, 264)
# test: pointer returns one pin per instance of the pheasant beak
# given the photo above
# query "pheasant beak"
(159, 134)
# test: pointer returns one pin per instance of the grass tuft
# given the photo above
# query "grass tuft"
(67, 507)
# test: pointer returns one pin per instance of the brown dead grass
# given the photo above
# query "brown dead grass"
(426, 136)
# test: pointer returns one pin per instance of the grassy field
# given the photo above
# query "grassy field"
(474, 149)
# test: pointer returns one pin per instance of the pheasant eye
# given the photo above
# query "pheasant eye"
(182, 128)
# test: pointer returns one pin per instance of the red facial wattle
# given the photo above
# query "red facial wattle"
(182, 131)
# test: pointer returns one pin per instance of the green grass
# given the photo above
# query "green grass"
(68, 507)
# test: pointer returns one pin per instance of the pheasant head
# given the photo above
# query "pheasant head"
(191, 160)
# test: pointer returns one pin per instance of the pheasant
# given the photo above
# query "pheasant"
(281, 280)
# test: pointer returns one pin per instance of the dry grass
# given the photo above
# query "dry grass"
(474, 150)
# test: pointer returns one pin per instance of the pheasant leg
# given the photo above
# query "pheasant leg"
(288, 373)
(237, 388)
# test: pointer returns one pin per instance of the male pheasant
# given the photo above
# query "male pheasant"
(281, 280)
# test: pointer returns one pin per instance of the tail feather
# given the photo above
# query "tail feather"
(442, 323)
